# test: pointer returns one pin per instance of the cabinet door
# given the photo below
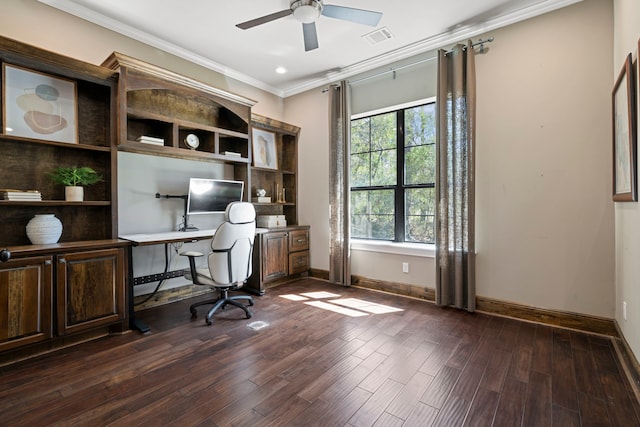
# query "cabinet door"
(25, 301)
(90, 289)
(275, 257)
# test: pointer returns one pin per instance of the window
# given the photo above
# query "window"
(393, 175)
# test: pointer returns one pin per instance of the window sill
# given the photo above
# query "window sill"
(411, 249)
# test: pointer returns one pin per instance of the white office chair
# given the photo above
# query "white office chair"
(229, 263)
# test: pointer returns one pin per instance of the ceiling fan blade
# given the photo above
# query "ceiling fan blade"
(264, 19)
(310, 36)
(361, 16)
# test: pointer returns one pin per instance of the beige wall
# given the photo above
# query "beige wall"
(544, 211)
(627, 215)
(544, 214)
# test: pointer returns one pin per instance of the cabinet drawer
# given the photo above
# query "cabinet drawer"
(298, 240)
(298, 262)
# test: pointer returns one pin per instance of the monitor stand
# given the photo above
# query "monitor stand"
(185, 218)
(185, 225)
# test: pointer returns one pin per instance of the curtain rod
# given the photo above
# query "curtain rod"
(422, 61)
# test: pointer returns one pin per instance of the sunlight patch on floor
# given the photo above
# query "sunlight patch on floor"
(321, 294)
(370, 307)
(336, 308)
(353, 307)
(294, 297)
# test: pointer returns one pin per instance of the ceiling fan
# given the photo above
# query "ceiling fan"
(308, 11)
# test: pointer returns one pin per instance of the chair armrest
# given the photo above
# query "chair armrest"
(191, 254)
(192, 263)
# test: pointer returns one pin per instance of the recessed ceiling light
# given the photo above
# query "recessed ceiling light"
(281, 70)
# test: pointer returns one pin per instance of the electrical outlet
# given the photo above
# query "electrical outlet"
(624, 310)
(405, 267)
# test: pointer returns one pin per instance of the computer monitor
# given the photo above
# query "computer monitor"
(208, 196)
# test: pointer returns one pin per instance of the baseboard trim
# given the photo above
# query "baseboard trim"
(579, 322)
(629, 363)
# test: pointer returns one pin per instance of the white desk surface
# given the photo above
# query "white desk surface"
(174, 236)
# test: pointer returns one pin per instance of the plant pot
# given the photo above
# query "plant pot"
(74, 193)
(44, 229)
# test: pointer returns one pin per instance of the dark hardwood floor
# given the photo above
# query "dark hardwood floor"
(308, 366)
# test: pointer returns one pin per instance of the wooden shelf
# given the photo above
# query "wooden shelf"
(285, 176)
(71, 146)
(54, 203)
(28, 161)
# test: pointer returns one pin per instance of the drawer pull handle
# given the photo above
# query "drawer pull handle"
(300, 240)
(62, 261)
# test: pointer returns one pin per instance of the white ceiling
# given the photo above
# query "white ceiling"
(205, 32)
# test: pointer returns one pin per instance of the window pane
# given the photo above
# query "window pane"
(383, 168)
(420, 125)
(360, 173)
(360, 135)
(383, 131)
(372, 214)
(360, 202)
(420, 164)
(419, 215)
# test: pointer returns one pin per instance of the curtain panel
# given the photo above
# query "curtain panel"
(339, 191)
(455, 183)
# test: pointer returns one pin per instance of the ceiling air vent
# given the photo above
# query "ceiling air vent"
(378, 36)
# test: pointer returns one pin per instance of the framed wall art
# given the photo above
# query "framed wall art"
(264, 149)
(37, 105)
(624, 135)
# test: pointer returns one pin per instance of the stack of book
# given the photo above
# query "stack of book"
(20, 195)
(151, 140)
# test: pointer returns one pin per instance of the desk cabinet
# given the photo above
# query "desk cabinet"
(279, 254)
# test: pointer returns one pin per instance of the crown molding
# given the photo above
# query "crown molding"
(423, 46)
(141, 36)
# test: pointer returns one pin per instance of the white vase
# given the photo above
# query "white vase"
(44, 229)
(74, 193)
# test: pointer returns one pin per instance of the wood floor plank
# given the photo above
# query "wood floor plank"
(483, 408)
(538, 406)
(422, 366)
(511, 403)
(593, 412)
(375, 406)
(439, 389)
(405, 402)
(423, 415)
(563, 417)
(333, 412)
(585, 367)
(542, 350)
(563, 382)
(496, 371)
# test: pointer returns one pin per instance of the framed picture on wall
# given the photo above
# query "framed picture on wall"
(38, 105)
(264, 149)
(624, 135)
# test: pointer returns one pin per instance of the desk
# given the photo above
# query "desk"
(168, 237)
(155, 239)
(147, 239)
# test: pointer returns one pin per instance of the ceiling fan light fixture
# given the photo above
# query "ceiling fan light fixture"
(306, 11)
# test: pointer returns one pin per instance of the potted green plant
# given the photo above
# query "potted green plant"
(74, 179)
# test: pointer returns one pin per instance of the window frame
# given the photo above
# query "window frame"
(399, 188)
